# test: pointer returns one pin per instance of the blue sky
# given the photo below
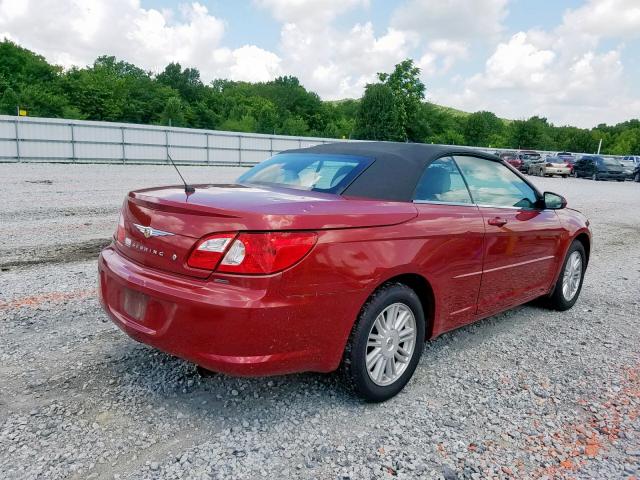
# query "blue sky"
(573, 61)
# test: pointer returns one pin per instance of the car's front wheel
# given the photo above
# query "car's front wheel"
(385, 344)
(569, 283)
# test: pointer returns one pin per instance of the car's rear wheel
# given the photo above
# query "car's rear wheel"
(385, 344)
(569, 283)
(637, 177)
(565, 176)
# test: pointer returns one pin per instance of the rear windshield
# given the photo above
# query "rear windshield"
(307, 171)
(555, 160)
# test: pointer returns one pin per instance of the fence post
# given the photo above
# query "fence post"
(299, 143)
(124, 151)
(166, 142)
(73, 145)
(271, 146)
(17, 141)
(208, 160)
(239, 149)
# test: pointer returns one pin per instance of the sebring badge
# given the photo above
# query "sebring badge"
(151, 232)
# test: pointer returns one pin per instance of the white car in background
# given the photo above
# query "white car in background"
(631, 164)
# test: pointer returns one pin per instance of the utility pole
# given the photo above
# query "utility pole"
(599, 146)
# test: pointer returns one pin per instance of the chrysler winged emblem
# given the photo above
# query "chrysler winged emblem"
(151, 232)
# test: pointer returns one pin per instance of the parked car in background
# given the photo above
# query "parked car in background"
(599, 168)
(568, 158)
(512, 159)
(629, 168)
(632, 158)
(550, 166)
(345, 255)
(527, 157)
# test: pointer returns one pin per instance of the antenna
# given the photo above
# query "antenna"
(187, 188)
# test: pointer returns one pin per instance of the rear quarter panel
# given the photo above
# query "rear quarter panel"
(347, 266)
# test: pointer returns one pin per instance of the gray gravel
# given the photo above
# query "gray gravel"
(529, 393)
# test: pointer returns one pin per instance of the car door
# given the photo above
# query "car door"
(522, 241)
(451, 252)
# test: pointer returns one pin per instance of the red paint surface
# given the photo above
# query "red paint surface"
(299, 319)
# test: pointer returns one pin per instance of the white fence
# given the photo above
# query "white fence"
(27, 139)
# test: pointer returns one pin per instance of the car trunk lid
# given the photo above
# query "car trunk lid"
(163, 224)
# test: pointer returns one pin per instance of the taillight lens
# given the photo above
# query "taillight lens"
(209, 251)
(120, 232)
(251, 253)
(270, 252)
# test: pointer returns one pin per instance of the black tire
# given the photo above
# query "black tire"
(595, 177)
(557, 299)
(575, 174)
(565, 176)
(354, 368)
(637, 178)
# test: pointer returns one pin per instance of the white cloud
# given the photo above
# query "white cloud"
(447, 29)
(309, 13)
(606, 18)
(150, 38)
(523, 78)
(339, 64)
(452, 19)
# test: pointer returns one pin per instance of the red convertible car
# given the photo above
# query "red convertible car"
(346, 255)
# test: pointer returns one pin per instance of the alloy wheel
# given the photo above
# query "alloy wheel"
(391, 344)
(572, 276)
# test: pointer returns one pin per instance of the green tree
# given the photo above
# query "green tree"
(481, 128)
(379, 117)
(409, 92)
(173, 112)
(186, 81)
(9, 102)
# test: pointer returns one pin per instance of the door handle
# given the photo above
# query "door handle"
(497, 221)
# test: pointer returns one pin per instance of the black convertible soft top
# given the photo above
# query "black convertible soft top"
(396, 169)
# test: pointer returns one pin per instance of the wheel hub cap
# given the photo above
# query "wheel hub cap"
(572, 276)
(391, 344)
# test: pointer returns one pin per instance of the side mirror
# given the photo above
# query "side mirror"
(553, 201)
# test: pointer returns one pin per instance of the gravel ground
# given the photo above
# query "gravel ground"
(526, 394)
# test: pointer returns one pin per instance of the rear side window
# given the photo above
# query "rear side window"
(307, 171)
(442, 182)
(493, 184)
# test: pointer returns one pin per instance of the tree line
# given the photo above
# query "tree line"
(393, 108)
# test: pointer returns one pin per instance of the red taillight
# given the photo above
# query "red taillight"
(209, 251)
(251, 253)
(261, 253)
(120, 233)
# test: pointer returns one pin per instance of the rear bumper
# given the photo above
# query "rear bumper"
(225, 327)
(557, 171)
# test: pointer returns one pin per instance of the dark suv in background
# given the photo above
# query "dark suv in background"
(599, 168)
